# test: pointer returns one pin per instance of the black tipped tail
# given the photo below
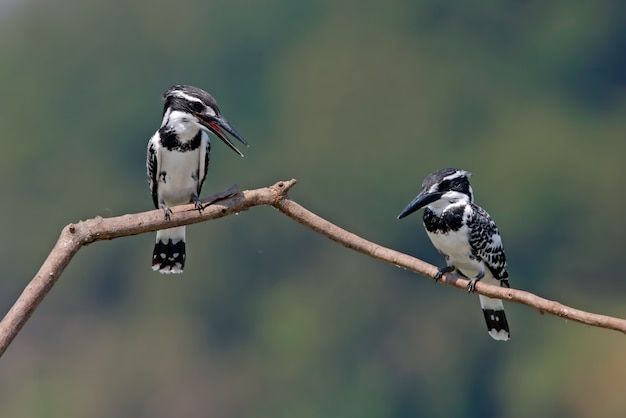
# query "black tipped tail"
(497, 324)
(169, 257)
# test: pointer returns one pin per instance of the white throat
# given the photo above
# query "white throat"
(184, 125)
(448, 201)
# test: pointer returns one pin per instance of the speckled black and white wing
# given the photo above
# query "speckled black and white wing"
(486, 243)
(152, 166)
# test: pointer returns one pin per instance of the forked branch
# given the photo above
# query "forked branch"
(75, 236)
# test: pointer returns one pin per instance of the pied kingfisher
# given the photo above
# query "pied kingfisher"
(178, 158)
(466, 236)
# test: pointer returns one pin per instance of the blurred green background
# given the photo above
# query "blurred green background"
(359, 101)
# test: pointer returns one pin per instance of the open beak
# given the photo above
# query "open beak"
(215, 124)
(422, 199)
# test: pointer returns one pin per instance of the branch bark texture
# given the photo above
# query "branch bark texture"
(75, 236)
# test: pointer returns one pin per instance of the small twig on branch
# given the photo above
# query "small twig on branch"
(75, 236)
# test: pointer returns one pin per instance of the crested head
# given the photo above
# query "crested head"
(451, 183)
(189, 109)
(184, 108)
(189, 99)
(445, 187)
(447, 179)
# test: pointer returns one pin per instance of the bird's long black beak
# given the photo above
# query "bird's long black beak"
(215, 124)
(419, 202)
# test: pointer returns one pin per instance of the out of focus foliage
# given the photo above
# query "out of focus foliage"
(358, 100)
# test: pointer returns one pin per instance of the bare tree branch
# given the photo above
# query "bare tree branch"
(75, 236)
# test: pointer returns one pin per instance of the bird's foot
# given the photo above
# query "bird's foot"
(471, 286)
(505, 283)
(198, 203)
(441, 271)
(167, 211)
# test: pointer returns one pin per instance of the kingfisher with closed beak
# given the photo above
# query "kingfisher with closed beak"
(465, 235)
(177, 162)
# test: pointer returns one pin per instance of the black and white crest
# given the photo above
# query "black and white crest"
(449, 179)
(188, 99)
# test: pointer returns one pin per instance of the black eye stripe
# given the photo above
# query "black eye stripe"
(196, 106)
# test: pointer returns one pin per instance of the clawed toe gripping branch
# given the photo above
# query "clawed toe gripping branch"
(228, 202)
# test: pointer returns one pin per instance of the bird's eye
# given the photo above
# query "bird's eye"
(444, 185)
(196, 107)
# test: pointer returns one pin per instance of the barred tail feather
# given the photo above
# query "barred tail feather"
(169, 251)
(497, 325)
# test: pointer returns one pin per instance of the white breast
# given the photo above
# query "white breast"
(456, 248)
(181, 178)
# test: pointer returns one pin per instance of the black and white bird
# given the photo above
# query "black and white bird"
(178, 158)
(466, 236)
